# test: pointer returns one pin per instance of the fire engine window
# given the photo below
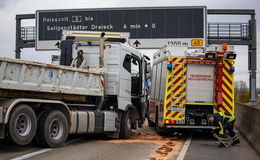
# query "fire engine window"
(127, 63)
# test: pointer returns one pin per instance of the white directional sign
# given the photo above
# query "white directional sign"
(150, 27)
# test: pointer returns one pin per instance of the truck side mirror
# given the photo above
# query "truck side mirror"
(148, 75)
(148, 68)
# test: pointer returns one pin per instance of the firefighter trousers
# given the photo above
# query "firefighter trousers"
(229, 128)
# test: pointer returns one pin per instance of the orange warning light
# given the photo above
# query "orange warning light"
(224, 46)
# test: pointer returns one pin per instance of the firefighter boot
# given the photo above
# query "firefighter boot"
(235, 142)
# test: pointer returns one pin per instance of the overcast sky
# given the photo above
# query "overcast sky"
(9, 8)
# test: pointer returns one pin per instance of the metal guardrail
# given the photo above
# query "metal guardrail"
(215, 31)
(28, 33)
(228, 31)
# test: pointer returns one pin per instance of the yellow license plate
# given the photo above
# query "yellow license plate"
(196, 42)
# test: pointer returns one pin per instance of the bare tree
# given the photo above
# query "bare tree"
(241, 92)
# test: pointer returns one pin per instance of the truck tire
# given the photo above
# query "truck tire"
(22, 125)
(52, 129)
(125, 126)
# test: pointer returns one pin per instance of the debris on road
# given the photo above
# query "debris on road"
(168, 146)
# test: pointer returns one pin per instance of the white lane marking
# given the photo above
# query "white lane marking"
(74, 141)
(29, 155)
(184, 148)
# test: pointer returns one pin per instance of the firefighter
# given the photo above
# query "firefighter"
(223, 122)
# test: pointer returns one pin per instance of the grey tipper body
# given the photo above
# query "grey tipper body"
(39, 77)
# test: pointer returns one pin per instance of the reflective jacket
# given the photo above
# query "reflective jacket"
(220, 121)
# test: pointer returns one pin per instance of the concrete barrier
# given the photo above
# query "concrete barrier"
(248, 123)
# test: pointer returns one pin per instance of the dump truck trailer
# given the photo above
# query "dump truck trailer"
(188, 84)
(104, 94)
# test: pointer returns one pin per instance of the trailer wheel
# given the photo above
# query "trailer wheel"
(125, 126)
(52, 129)
(22, 125)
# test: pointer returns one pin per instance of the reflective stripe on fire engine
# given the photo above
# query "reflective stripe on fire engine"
(175, 89)
(228, 88)
(155, 101)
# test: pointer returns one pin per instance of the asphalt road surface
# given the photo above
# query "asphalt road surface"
(205, 147)
(144, 145)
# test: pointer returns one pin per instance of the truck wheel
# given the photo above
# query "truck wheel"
(126, 125)
(52, 129)
(22, 125)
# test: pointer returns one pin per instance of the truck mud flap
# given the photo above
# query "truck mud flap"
(2, 131)
(99, 122)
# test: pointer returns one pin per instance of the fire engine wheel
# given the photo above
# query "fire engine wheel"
(126, 125)
(157, 127)
(151, 123)
(52, 129)
(22, 125)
